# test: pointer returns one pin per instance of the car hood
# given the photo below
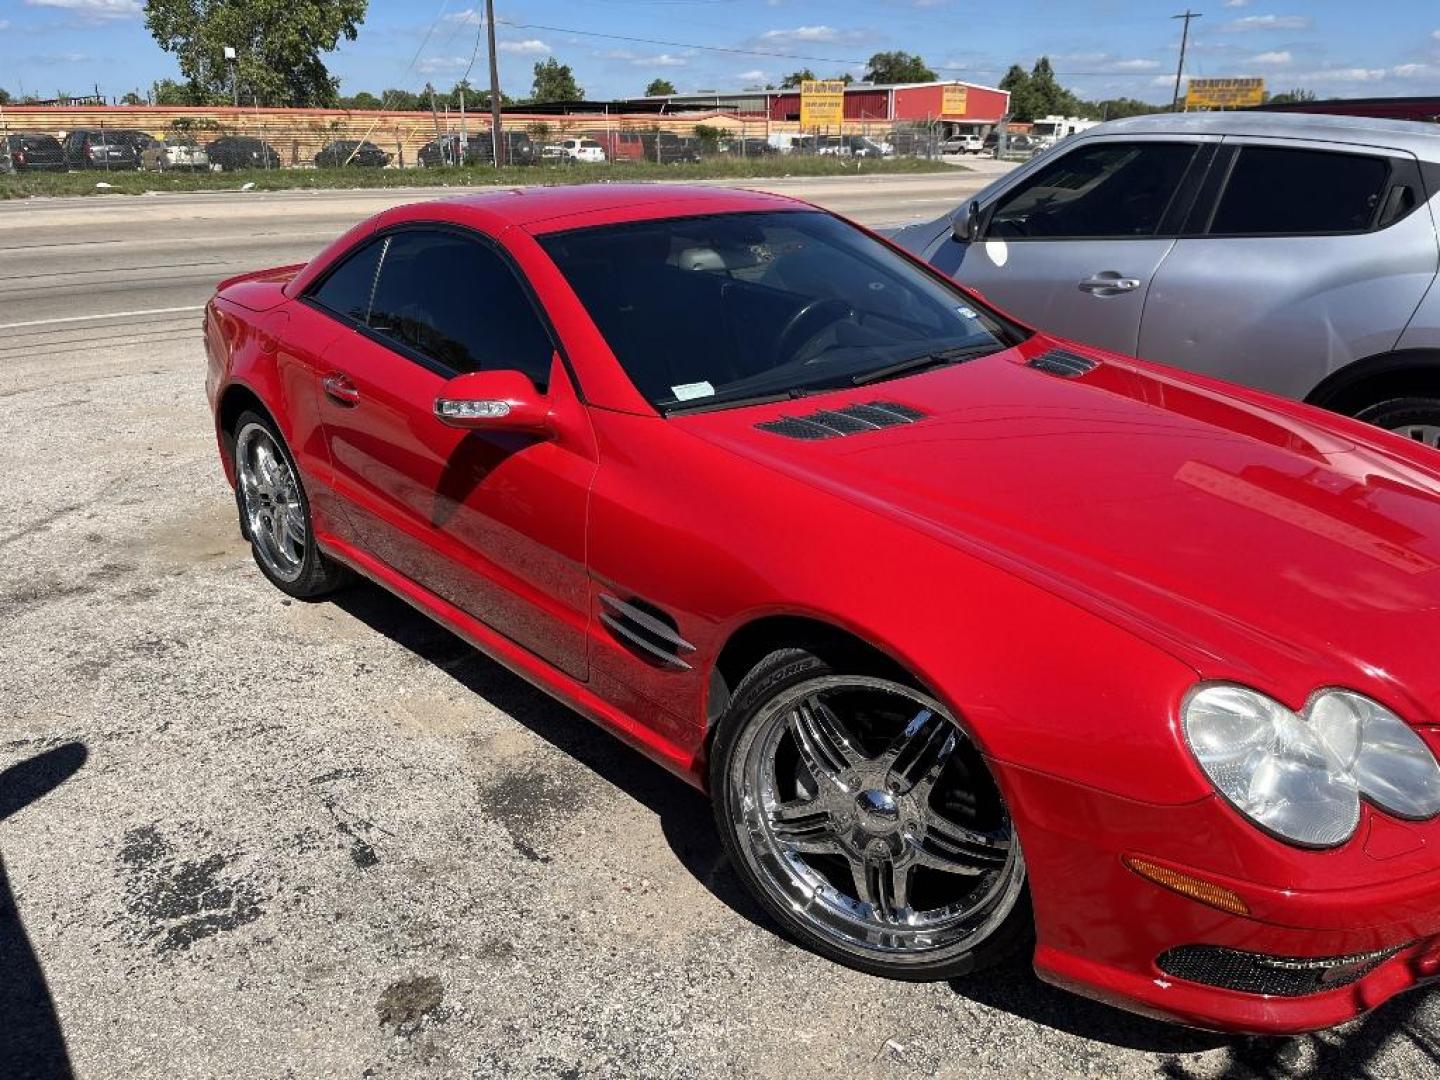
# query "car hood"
(1253, 539)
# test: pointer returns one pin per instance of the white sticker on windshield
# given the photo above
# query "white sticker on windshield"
(691, 390)
(966, 312)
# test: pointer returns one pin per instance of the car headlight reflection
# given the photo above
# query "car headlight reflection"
(1301, 776)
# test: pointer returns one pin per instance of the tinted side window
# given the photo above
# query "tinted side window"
(346, 290)
(1107, 189)
(455, 301)
(1274, 190)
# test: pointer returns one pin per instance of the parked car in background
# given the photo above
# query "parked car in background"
(863, 146)
(1291, 252)
(963, 144)
(232, 152)
(33, 152)
(750, 148)
(351, 152)
(94, 148)
(555, 154)
(1015, 143)
(1101, 666)
(181, 152)
(477, 149)
(586, 151)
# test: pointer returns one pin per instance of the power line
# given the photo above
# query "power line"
(851, 61)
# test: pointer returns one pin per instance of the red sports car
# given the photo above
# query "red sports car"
(984, 643)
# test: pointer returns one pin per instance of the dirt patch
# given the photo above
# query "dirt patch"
(405, 1004)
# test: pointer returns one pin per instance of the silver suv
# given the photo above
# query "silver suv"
(1294, 253)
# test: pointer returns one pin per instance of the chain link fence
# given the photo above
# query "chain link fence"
(195, 141)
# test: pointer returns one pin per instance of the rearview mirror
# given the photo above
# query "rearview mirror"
(968, 226)
(494, 401)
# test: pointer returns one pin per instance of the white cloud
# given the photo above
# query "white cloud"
(4, 24)
(1279, 56)
(1415, 71)
(529, 45)
(635, 59)
(1236, 3)
(1267, 22)
(751, 76)
(803, 33)
(439, 65)
(1339, 75)
(93, 9)
(1134, 65)
(66, 58)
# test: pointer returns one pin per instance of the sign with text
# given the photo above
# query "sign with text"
(953, 101)
(1224, 93)
(822, 103)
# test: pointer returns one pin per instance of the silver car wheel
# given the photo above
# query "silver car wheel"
(1429, 434)
(270, 501)
(846, 792)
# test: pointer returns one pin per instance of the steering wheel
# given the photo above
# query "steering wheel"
(810, 320)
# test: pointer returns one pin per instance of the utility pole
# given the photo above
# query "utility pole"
(496, 135)
(1184, 40)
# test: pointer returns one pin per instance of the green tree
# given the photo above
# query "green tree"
(1289, 97)
(131, 98)
(897, 67)
(555, 81)
(170, 92)
(659, 88)
(279, 45)
(795, 78)
(4, 96)
(363, 100)
(1022, 99)
(709, 137)
(1050, 98)
(1116, 108)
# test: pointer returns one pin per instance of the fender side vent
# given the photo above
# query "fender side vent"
(645, 630)
(836, 423)
(1067, 365)
(1277, 976)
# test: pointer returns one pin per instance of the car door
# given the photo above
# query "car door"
(1299, 259)
(1071, 247)
(493, 523)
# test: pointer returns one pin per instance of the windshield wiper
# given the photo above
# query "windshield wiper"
(712, 404)
(938, 358)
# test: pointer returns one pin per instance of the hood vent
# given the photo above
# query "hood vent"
(837, 423)
(1067, 365)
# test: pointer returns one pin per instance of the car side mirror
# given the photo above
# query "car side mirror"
(494, 401)
(969, 226)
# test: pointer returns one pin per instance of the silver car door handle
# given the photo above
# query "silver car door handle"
(1109, 283)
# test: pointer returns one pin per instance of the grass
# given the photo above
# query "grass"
(23, 185)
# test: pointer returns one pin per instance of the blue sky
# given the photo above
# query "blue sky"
(1100, 48)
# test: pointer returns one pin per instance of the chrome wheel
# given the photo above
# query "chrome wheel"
(270, 501)
(1428, 434)
(866, 812)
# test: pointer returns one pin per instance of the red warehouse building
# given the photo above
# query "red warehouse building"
(961, 106)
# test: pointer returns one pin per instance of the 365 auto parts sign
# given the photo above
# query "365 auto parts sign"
(1224, 93)
(822, 103)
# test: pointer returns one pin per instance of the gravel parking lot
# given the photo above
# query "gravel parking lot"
(249, 837)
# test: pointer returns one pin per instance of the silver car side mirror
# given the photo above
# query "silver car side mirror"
(968, 226)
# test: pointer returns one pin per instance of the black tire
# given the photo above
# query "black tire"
(1405, 416)
(1011, 941)
(318, 574)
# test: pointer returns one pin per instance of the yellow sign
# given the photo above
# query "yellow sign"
(953, 102)
(1224, 93)
(822, 103)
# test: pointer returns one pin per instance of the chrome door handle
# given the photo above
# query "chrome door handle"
(1109, 283)
(340, 389)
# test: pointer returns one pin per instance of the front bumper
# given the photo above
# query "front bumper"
(1102, 930)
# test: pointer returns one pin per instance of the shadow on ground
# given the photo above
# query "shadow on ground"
(685, 819)
(32, 1045)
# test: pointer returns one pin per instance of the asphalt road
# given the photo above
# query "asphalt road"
(248, 837)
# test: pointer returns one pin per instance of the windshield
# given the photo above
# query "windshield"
(716, 310)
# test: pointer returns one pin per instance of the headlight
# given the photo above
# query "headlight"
(1390, 763)
(1271, 765)
(1301, 776)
